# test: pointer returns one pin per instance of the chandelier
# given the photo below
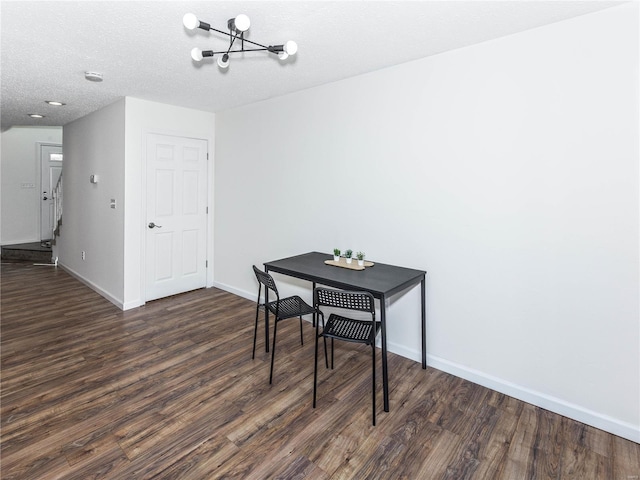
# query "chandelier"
(237, 27)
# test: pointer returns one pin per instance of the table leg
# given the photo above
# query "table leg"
(424, 323)
(266, 317)
(313, 299)
(385, 375)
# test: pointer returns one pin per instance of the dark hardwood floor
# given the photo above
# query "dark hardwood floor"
(170, 391)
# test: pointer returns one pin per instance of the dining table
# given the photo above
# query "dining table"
(381, 280)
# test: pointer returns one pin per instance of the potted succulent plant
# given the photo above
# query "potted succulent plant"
(348, 254)
(360, 257)
(336, 254)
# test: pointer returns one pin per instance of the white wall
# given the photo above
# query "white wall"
(95, 145)
(20, 165)
(508, 170)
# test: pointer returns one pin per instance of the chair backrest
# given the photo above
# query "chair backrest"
(265, 279)
(350, 300)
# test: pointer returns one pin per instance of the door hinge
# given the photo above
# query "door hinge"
(206, 264)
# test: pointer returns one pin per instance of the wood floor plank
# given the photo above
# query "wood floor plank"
(301, 467)
(170, 391)
(436, 462)
(578, 460)
(496, 448)
(203, 462)
(626, 455)
(521, 456)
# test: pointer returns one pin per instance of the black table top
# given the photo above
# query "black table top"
(380, 279)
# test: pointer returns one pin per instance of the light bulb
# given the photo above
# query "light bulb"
(223, 61)
(190, 21)
(291, 47)
(196, 54)
(242, 23)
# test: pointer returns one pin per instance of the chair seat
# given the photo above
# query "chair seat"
(349, 329)
(290, 307)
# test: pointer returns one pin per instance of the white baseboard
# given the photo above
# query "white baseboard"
(235, 291)
(134, 304)
(539, 399)
(94, 287)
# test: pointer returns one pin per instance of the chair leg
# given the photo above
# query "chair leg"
(373, 388)
(324, 339)
(301, 339)
(326, 357)
(332, 354)
(255, 332)
(273, 350)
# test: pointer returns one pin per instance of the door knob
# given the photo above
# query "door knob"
(45, 198)
(153, 225)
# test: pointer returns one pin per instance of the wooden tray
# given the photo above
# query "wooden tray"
(351, 266)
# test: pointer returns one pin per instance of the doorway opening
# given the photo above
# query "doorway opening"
(50, 177)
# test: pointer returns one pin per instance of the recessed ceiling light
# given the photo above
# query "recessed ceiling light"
(35, 115)
(93, 76)
(54, 103)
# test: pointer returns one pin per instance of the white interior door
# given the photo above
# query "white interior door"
(50, 171)
(176, 226)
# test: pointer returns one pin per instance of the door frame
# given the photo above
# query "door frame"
(39, 147)
(143, 198)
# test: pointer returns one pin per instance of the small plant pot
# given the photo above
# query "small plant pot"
(336, 258)
(349, 260)
(361, 262)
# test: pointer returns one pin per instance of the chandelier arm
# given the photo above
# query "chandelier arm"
(255, 43)
(220, 31)
(240, 51)
(236, 36)
(233, 39)
(252, 43)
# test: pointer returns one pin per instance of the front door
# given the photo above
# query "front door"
(176, 217)
(50, 171)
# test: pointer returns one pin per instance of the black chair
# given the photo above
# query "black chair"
(282, 308)
(339, 327)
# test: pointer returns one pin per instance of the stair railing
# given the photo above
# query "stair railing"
(57, 208)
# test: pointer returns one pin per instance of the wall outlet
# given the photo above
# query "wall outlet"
(83, 255)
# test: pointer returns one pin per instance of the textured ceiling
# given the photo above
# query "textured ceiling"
(142, 49)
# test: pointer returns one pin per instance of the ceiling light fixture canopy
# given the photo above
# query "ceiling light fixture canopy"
(93, 76)
(237, 27)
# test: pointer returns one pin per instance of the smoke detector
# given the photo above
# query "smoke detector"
(93, 76)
